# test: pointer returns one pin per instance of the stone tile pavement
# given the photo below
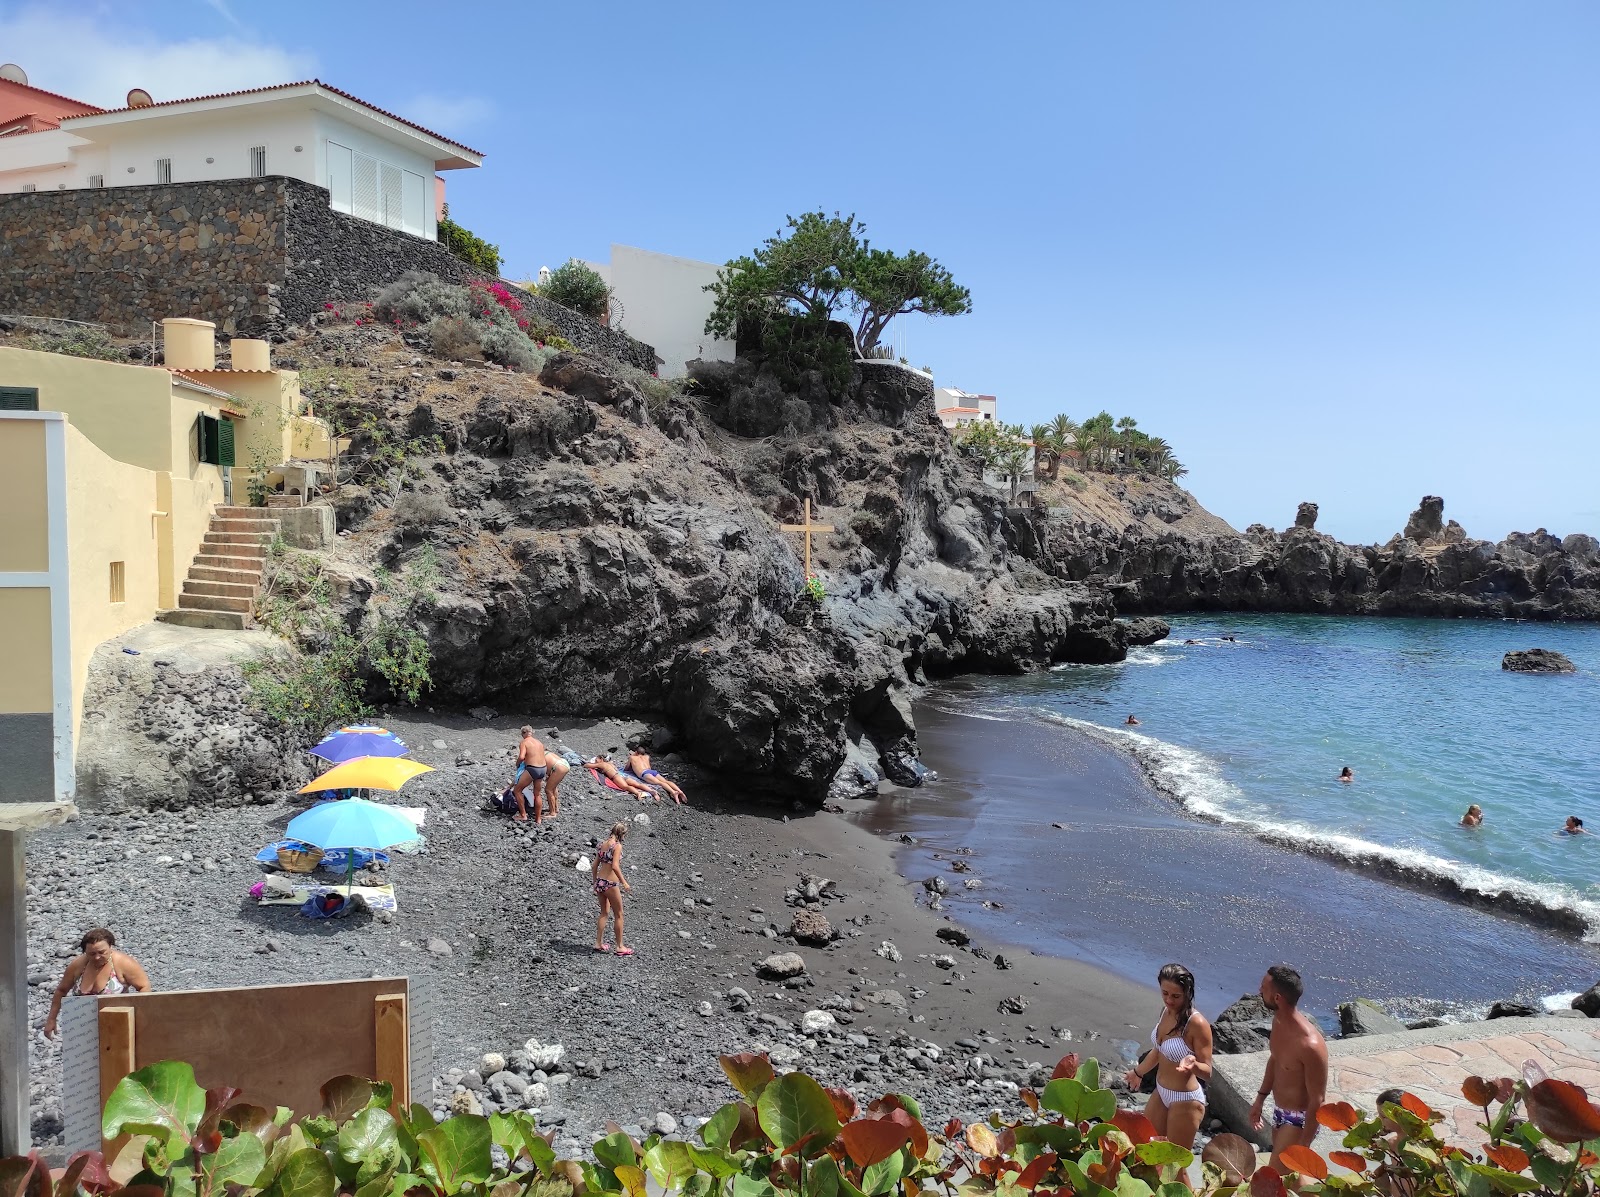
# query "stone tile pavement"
(1431, 1064)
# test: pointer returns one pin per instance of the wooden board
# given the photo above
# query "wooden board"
(278, 1043)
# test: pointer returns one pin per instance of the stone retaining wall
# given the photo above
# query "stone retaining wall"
(254, 255)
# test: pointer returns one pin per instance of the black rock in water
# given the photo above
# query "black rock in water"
(1537, 660)
(1511, 1008)
(1588, 1002)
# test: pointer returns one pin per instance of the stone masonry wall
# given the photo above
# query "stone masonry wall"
(254, 255)
(125, 256)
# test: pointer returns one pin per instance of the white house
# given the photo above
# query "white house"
(375, 164)
(662, 301)
(956, 407)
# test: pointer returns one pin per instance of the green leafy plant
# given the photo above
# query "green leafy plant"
(579, 287)
(1003, 448)
(257, 487)
(322, 683)
(788, 1136)
(814, 590)
(820, 266)
(466, 245)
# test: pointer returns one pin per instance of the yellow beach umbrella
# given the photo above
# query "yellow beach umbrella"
(368, 773)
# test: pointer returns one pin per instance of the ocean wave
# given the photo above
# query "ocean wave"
(1141, 655)
(1196, 783)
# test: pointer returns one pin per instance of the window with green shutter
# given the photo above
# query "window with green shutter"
(19, 398)
(225, 443)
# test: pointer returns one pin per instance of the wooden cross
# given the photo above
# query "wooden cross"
(807, 529)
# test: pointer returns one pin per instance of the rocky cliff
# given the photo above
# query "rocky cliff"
(1158, 550)
(607, 546)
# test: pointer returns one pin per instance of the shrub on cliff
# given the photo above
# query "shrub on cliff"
(822, 266)
(469, 247)
(82, 342)
(788, 1135)
(578, 287)
(462, 322)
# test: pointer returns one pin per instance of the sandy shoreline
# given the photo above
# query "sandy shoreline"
(710, 882)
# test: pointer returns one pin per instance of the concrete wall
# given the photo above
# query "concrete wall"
(111, 508)
(662, 301)
(207, 146)
(124, 409)
(36, 726)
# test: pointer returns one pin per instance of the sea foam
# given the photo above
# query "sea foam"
(1196, 782)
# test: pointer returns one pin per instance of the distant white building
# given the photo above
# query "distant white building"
(956, 407)
(376, 165)
(662, 301)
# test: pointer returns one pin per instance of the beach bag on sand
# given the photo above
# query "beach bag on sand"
(326, 906)
(505, 802)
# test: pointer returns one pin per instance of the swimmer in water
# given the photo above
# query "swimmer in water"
(1346, 776)
(1132, 721)
(1574, 826)
(1473, 817)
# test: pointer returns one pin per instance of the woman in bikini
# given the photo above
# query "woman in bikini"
(609, 886)
(99, 970)
(1180, 1054)
(603, 766)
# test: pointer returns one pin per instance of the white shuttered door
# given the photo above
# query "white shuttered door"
(415, 205)
(341, 164)
(365, 200)
(392, 202)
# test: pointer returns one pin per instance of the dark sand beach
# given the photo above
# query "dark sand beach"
(1130, 881)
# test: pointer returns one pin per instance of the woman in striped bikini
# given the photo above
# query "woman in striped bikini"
(609, 886)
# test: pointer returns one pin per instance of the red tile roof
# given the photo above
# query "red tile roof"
(250, 91)
(54, 95)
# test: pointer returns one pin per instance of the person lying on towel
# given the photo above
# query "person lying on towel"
(639, 765)
(603, 766)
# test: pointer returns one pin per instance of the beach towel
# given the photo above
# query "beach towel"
(334, 859)
(377, 897)
(611, 785)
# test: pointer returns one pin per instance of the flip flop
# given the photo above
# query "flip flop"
(624, 951)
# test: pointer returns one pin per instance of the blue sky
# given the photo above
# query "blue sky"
(1340, 252)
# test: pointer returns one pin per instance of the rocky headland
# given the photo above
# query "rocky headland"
(1157, 550)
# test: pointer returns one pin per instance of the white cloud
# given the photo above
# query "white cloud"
(221, 6)
(450, 115)
(88, 58)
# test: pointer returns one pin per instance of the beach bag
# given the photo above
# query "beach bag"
(505, 801)
(325, 906)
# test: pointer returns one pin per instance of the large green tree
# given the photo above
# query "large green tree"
(821, 266)
(1002, 448)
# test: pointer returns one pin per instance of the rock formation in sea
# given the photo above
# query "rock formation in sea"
(1158, 550)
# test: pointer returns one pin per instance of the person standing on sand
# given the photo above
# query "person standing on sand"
(530, 767)
(1297, 1065)
(1180, 1056)
(609, 886)
(100, 970)
(556, 771)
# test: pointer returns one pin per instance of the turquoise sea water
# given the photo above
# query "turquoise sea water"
(1253, 733)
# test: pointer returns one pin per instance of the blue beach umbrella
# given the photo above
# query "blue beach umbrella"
(347, 745)
(352, 823)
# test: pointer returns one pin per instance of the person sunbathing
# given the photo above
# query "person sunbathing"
(639, 763)
(621, 780)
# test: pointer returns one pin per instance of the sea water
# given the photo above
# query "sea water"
(1215, 832)
(1248, 719)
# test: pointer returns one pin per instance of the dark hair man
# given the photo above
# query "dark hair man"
(1297, 1065)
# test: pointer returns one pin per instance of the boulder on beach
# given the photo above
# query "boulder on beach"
(1511, 1008)
(1588, 1002)
(1243, 1027)
(1537, 660)
(808, 926)
(1365, 1017)
(782, 965)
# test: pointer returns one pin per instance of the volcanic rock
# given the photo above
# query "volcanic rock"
(808, 926)
(1243, 1027)
(1537, 660)
(1365, 1017)
(781, 966)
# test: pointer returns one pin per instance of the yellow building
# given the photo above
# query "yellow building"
(115, 507)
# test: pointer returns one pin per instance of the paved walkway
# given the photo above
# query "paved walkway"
(1431, 1064)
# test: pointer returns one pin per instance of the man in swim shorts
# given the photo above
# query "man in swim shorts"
(639, 764)
(1297, 1065)
(530, 768)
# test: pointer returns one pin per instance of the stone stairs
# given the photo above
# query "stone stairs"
(225, 577)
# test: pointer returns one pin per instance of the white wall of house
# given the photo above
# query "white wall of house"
(373, 169)
(374, 178)
(662, 301)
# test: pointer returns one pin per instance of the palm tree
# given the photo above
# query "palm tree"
(1126, 428)
(1103, 429)
(1045, 450)
(1157, 453)
(1084, 441)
